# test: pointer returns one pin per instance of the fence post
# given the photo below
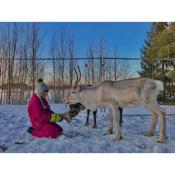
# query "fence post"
(101, 69)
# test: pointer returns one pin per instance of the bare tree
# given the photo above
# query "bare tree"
(23, 71)
(3, 67)
(56, 66)
(9, 47)
(91, 65)
(125, 70)
(53, 56)
(102, 62)
(34, 44)
(71, 52)
(116, 66)
(62, 51)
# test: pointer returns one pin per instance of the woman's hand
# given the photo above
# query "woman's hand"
(56, 117)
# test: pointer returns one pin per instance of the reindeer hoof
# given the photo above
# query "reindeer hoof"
(149, 134)
(86, 124)
(109, 131)
(118, 138)
(162, 139)
(94, 126)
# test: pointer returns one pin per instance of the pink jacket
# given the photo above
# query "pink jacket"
(40, 118)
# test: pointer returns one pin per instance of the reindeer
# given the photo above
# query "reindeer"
(124, 93)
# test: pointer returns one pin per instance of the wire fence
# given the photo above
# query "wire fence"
(19, 75)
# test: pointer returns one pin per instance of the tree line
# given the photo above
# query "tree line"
(22, 44)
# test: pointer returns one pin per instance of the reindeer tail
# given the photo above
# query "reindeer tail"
(160, 85)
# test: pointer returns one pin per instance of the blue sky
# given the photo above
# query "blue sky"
(127, 37)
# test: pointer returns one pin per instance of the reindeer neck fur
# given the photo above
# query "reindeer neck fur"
(85, 96)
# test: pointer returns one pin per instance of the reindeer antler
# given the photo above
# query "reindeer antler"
(78, 77)
(79, 74)
(76, 82)
(71, 123)
(69, 120)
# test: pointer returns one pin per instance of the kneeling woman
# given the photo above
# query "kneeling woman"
(42, 118)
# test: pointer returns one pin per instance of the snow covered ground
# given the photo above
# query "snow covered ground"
(14, 123)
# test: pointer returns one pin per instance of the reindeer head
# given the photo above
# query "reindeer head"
(75, 109)
(72, 96)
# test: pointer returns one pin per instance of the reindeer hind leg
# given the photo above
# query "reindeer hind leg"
(150, 131)
(162, 115)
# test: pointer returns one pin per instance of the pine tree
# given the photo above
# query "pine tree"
(149, 49)
(158, 55)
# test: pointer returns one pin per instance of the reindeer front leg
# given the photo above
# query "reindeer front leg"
(87, 118)
(95, 122)
(117, 123)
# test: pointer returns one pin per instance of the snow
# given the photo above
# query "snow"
(14, 122)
